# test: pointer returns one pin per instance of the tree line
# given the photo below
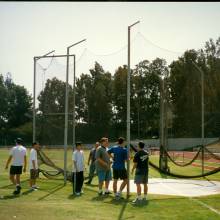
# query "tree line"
(100, 101)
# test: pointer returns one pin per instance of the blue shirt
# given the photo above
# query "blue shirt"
(120, 155)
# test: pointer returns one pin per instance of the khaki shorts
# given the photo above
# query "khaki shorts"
(34, 174)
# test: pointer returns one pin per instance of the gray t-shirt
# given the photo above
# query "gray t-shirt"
(103, 155)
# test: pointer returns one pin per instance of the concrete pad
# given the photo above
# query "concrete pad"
(177, 187)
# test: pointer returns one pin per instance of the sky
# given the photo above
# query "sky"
(166, 30)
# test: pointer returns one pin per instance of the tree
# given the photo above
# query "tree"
(50, 114)
(15, 108)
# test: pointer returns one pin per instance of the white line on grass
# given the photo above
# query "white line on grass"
(191, 198)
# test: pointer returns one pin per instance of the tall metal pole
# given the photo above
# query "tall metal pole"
(128, 110)
(34, 103)
(66, 116)
(161, 164)
(202, 114)
(34, 94)
(203, 132)
(67, 109)
(74, 98)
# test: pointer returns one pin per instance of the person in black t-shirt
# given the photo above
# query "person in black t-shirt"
(141, 171)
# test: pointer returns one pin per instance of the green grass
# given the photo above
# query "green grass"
(54, 201)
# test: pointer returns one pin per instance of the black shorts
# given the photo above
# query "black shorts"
(120, 174)
(141, 178)
(34, 174)
(15, 170)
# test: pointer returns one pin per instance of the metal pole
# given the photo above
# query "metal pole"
(74, 102)
(66, 117)
(128, 110)
(34, 103)
(66, 110)
(202, 113)
(161, 123)
(128, 115)
(203, 134)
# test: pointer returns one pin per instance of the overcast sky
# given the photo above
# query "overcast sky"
(166, 30)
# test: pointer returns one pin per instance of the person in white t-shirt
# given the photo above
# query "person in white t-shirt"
(33, 165)
(19, 156)
(78, 169)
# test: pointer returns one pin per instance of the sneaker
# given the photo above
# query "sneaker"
(144, 199)
(100, 193)
(18, 190)
(77, 194)
(36, 187)
(117, 197)
(136, 201)
(33, 188)
(107, 193)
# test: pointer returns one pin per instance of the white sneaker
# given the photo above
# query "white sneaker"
(33, 188)
(136, 201)
(77, 193)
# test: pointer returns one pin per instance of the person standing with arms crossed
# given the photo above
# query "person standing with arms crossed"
(103, 166)
(19, 156)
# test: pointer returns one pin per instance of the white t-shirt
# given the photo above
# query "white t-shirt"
(78, 156)
(33, 156)
(18, 152)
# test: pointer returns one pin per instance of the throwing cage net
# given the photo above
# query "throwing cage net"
(174, 108)
(50, 100)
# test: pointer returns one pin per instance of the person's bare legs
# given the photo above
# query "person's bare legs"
(123, 184)
(106, 185)
(17, 177)
(12, 178)
(115, 186)
(145, 190)
(138, 189)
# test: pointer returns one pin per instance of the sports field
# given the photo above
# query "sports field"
(54, 200)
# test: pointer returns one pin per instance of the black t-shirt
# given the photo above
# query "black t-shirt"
(141, 158)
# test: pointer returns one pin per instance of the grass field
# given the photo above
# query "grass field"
(54, 200)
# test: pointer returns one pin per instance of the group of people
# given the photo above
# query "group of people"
(18, 156)
(103, 160)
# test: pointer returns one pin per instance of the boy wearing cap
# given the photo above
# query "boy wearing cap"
(78, 169)
(141, 172)
(19, 156)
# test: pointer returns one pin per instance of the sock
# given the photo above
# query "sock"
(100, 190)
(145, 196)
(139, 197)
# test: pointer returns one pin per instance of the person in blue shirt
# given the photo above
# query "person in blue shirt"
(119, 155)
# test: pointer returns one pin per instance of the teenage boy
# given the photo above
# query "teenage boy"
(141, 172)
(119, 155)
(33, 165)
(103, 166)
(91, 162)
(19, 156)
(78, 169)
